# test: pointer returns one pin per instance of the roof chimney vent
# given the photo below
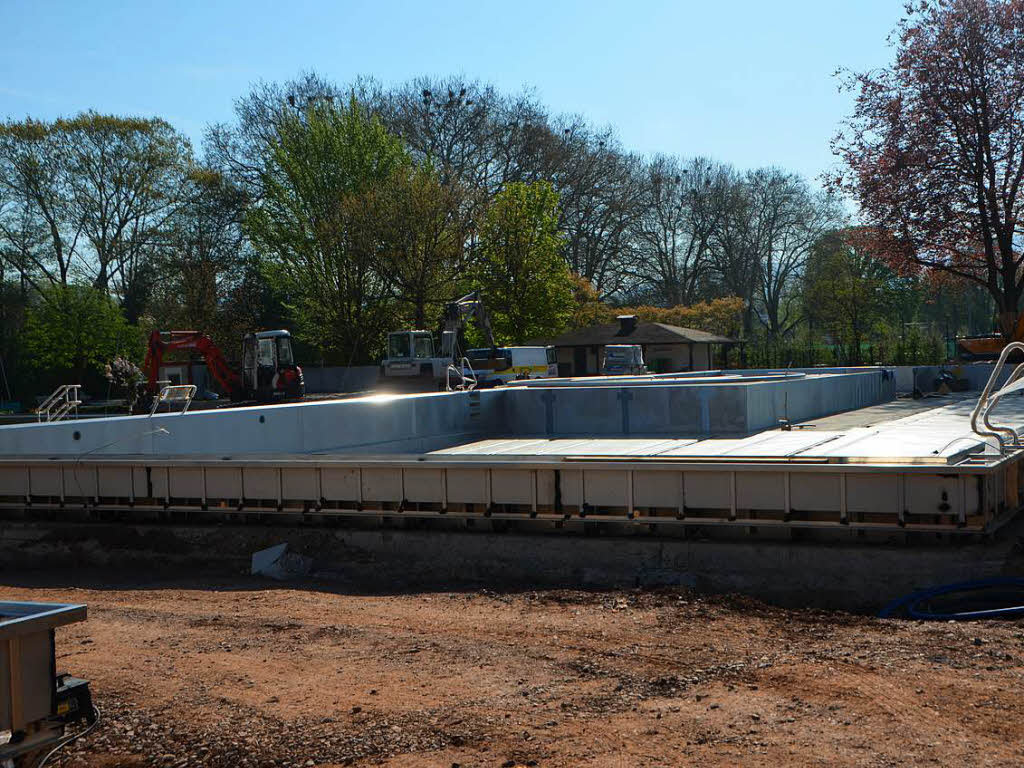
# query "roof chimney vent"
(627, 324)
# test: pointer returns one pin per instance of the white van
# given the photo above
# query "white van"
(524, 363)
(534, 362)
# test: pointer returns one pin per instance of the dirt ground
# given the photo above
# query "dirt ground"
(239, 672)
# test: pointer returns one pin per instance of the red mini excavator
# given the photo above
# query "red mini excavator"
(268, 367)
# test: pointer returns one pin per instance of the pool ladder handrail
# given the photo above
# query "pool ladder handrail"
(58, 405)
(467, 379)
(1004, 435)
(174, 392)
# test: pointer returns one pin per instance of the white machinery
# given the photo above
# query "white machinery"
(413, 360)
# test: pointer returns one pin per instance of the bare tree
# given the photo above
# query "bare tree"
(39, 238)
(786, 219)
(674, 233)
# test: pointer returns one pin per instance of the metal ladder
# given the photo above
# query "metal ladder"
(1005, 436)
(57, 406)
(465, 382)
(174, 392)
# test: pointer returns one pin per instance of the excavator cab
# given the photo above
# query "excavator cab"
(268, 367)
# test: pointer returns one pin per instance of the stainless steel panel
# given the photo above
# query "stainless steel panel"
(299, 484)
(811, 492)
(340, 484)
(424, 485)
(761, 490)
(709, 490)
(224, 483)
(45, 480)
(382, 484)
(260, 483)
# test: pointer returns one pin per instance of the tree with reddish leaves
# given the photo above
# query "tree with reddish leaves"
(934, 150)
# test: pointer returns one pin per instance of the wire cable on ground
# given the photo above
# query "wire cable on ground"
(72, 738)
(915, 605)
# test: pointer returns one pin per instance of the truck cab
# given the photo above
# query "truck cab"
(268, 367)
(623, 360)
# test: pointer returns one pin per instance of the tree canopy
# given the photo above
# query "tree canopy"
(520, 269)
(934, 151)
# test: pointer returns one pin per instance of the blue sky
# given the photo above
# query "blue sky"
(748, 82)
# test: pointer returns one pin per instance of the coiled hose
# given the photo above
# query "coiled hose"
(916, 605)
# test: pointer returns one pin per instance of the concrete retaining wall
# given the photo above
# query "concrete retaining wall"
(857, 576)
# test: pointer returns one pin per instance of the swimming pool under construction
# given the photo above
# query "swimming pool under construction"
(750, 452)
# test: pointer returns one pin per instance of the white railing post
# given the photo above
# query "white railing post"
(175, 392)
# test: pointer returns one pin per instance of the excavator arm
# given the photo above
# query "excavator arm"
(222, 373)
(457, 314)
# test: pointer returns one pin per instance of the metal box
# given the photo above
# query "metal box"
(27, 664)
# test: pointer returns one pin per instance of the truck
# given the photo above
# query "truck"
(623, 360)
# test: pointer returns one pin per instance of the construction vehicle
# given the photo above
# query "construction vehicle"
(38, 705)
(268, 371)
(623, 360)
(413, 363)
(988, 346)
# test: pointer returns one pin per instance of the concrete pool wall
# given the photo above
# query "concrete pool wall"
(698, 407)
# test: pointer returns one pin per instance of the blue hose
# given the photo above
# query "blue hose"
(910, 603)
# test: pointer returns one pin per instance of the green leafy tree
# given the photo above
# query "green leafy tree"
(520, 270)
(310, 225)
(422, 237)
(76, 328)
(90, 197)
(846, 291)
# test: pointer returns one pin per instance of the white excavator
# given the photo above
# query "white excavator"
(414, 364)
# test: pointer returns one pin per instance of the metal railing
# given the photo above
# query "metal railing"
(990, 396)
(184, 392)
(467, 379)
(57, 406)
